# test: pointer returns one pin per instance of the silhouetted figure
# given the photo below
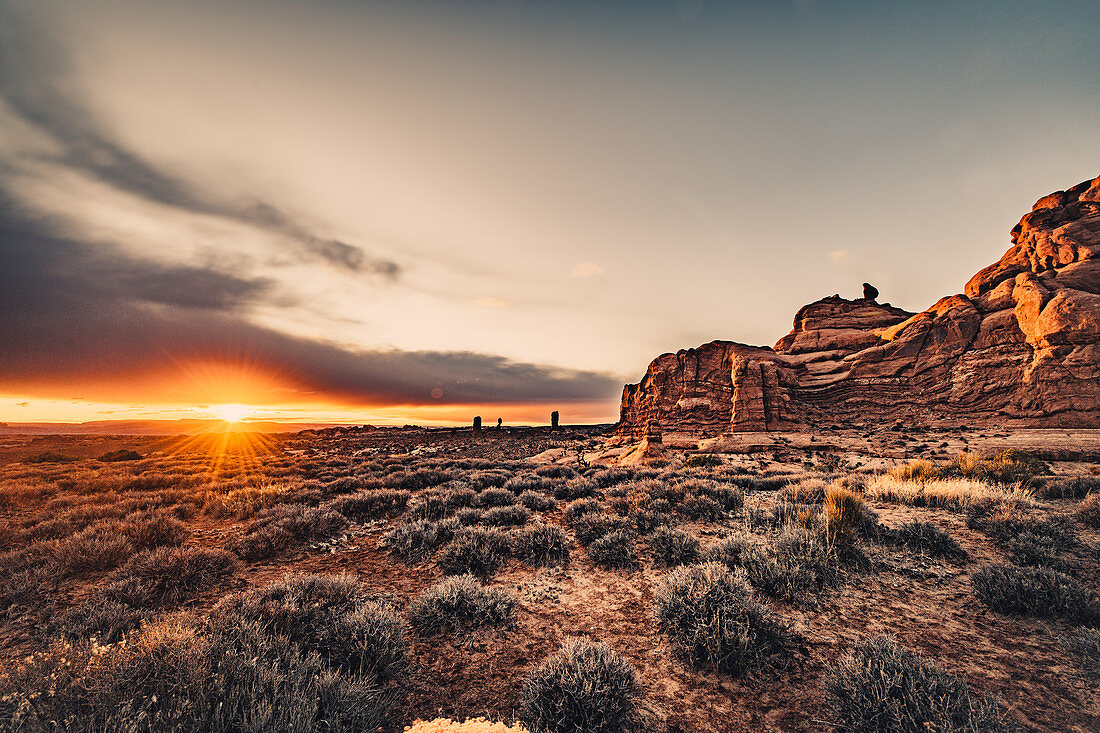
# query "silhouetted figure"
(500, 421)
(477, 424)
(554, 420)
(870, 292)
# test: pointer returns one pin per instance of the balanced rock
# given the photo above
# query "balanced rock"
(1020, 346)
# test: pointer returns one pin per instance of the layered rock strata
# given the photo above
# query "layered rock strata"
(1020, 346)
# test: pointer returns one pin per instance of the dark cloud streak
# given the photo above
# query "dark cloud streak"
(33, 84)
(75, 315)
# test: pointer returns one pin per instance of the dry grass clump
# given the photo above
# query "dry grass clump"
(586, 687)
(592, 526)
(1089, 510)
(614, 549)
(178, 675)
(881, 687)
(537, 502)
(941, 492)
(1085, 645)
(461, 603)
(845, 514)
(169, 575)
(496, 498)
(477, 550)
(285, 526)
(574, 510)
(95, 549)
(670, 547)
(414, 541)
(471, 725)
(927, 538)
(330, 615)
(506, 516)
(712, 618)
(374, 504)
(1040, 592)
(542, 545)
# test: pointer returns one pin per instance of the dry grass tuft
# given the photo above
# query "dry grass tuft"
(937, 492)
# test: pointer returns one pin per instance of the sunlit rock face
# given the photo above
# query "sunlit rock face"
(1020, 346)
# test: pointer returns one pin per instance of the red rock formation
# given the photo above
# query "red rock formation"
(1020, 346)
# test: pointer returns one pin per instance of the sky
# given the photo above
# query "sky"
(421, 211)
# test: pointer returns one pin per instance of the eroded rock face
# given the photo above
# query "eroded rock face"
(1021, 346)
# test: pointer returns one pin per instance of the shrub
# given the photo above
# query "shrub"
(542, 545)
(590, 527)
(327, 614)
(614, 549)
(116, 456)
(154, 529)
(97, 548)
(1004, 520)
(460, 603)
(845, 514)
(477, 550)
(882, 687)
(1038, 592)
(729, 551)
(169, 575)
(577, 509)
(704, 460)
(1085, 644)
(101, 619)
(585, 686)
(673, 547)
(712, 618)
(578, 487)
(1089, 510)
(1028, 548)
(413, 541)
(431, 505)
(374, 504)
(806, 491)
(284, 526)
(916, 470)
(49, 457)
(512, 515)
(538, 502)
(928, 538)
(1076, 487)
(496, 497)
(700, 507)
(952, 492)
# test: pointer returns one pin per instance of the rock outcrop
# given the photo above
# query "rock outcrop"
(1020, 346)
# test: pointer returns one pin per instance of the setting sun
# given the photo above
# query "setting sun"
(232, 413)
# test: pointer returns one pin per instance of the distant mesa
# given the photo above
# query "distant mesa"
(1020, 346)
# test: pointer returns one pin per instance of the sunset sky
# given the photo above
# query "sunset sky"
(421, 211)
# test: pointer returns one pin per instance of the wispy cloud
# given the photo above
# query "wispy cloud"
(586, 270)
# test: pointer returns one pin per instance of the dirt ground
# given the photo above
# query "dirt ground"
(927, 604)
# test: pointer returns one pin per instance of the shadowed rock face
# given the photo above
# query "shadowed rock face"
(1020, 346)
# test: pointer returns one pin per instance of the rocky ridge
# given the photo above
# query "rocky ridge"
(1020, 346)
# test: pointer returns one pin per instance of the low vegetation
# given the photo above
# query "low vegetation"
(1040, 591)
(460, 603)
(585, 686)
(882, 687)
(711, 618)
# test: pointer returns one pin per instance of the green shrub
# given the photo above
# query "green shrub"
(1038, 592)
(460, 603)
(712, 619)
(585, 687)
(883, 688)
(477, 550)
(542, 545)
(671, 547)
(704, 460)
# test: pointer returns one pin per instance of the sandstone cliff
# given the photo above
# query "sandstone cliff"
(1020, 346)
